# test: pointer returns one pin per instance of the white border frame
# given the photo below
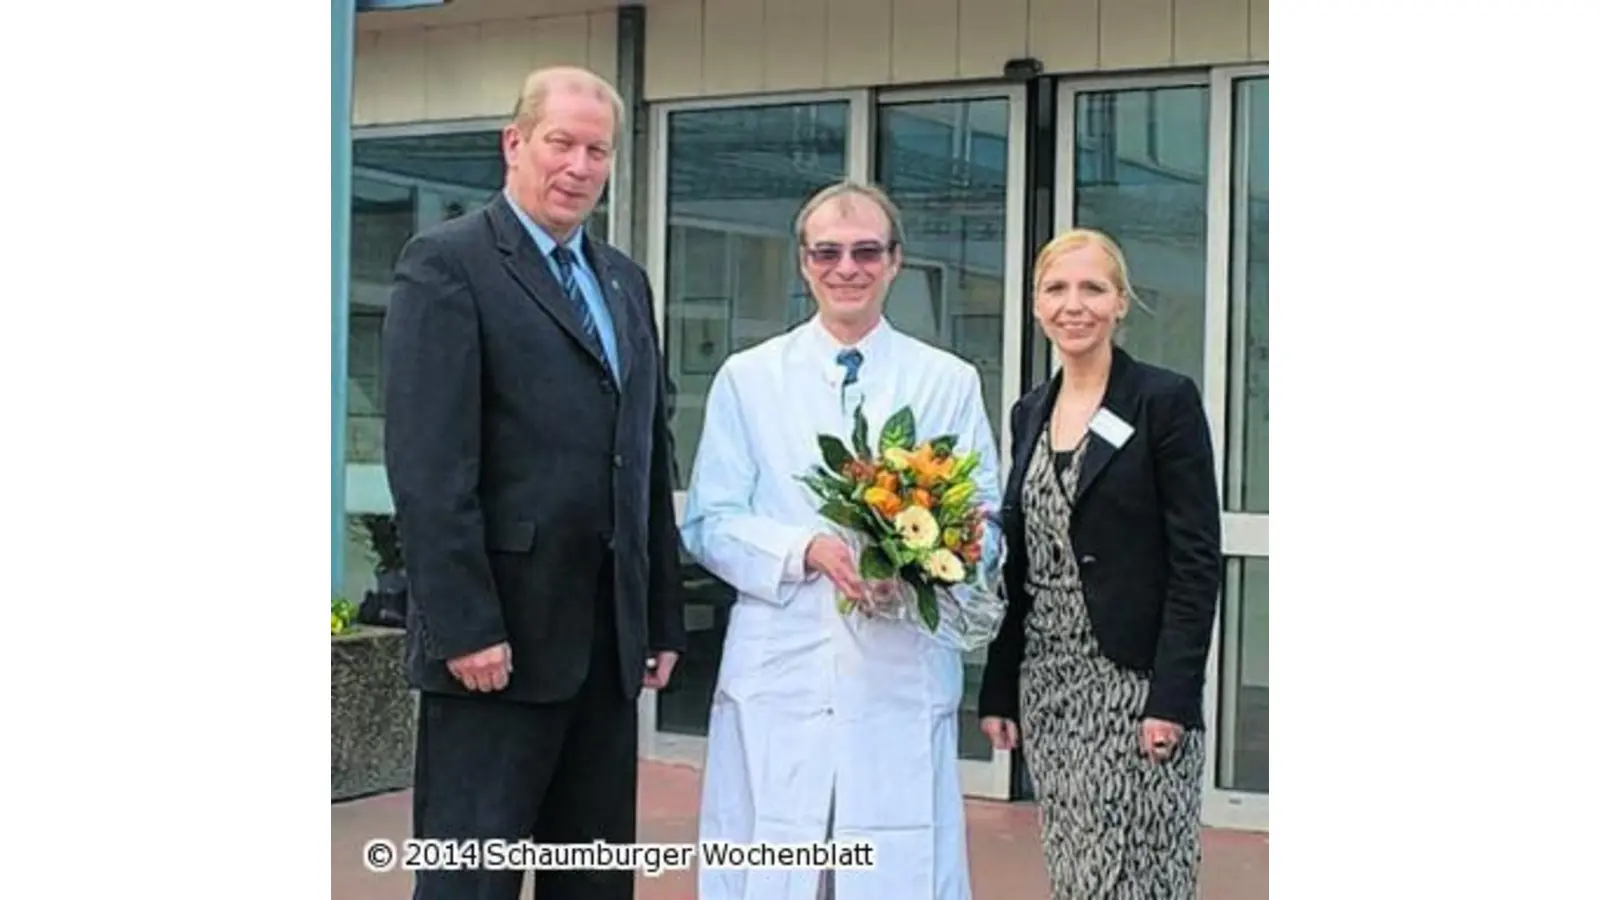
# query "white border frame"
(989, 778)
(1242, 535)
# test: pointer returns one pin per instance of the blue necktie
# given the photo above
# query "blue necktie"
(851, 360)
(569, 283)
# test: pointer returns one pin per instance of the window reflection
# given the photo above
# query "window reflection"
(1248, 395)
(1243, 722)
(945, 166)
(1139, 175)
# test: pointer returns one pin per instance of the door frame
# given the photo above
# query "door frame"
(1243, 535)
(989, 778)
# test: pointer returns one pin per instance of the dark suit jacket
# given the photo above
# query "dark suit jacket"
(519, 467)
(1147, 533)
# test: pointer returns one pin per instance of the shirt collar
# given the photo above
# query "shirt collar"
(874, 347)
(542, 238)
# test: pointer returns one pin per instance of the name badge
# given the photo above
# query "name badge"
(1110, 426)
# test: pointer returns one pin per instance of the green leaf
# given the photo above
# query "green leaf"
(900, 431)
(896, 554)
(858, 437)
(834, 453)
(965, 466)
(927, 604)
(841, 513)
(943, 445)
(875, 564)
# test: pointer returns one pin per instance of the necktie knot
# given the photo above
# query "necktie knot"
(563, 258)
(851, 360)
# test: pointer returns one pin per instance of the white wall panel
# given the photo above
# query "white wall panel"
(795, 45)
(859, 34)
(700, 48)
(1135, 34)
(734, 37)
(1258, 30)
(448, 69)
(988, 32)
(1210, 31)
(1064, 35)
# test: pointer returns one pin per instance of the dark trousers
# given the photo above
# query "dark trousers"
(562, 773)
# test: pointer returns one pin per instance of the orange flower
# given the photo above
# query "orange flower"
(922, 498)
(888, 481)
(928, 469)
(887, 503)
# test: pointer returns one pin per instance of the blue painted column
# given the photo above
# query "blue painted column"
(344, 19)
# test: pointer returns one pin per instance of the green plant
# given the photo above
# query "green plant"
(344, 612)
(382, 537)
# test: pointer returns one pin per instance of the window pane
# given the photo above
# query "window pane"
(944, 164)
(1243, 749)
(382, 219)
(736, 178)
(1247, 444)
(1139, 175)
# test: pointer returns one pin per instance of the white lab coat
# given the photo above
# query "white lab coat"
(811, 705)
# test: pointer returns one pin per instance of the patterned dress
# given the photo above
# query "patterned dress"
(1116, 826)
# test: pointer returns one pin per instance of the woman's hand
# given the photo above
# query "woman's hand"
(1158, 739)
(1002, 732)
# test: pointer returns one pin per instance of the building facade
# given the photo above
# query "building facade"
(993, 123)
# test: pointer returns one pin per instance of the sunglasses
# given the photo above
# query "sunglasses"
(865, 253)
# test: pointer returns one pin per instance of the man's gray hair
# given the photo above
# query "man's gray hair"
(844, 192)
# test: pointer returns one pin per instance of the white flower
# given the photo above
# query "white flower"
(945, 566)
(918, 527)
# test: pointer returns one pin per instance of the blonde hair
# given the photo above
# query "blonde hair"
(844, 191)
(1076, 239)
(539, 83)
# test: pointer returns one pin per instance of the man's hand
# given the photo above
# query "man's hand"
(1002, 732)
(1158, 739)
(658, 670)
(832, 557)
(486, 670)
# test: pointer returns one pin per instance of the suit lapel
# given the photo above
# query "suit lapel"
(529, 269)
(1120, 398)
(611, 289)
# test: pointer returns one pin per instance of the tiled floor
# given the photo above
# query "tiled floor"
(1002, 837)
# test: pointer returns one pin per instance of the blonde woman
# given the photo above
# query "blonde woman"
(1112, 513)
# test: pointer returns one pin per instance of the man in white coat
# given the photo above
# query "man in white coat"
(829, 725)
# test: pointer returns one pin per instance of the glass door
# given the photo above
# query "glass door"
(1237, 794)
(952, 159)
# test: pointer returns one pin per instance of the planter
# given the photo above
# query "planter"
(374, 713)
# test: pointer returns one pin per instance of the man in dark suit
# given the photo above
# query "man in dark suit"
(531, 466)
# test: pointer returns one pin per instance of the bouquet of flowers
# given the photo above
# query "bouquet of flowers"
(909, 512)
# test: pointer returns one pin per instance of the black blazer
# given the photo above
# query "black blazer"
(1147, 532)
(519, 467)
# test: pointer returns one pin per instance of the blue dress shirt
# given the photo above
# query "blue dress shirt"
(588, 282)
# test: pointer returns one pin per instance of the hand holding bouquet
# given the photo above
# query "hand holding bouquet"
(908, 509)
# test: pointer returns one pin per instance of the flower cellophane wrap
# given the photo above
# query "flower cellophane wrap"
(929, 551)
